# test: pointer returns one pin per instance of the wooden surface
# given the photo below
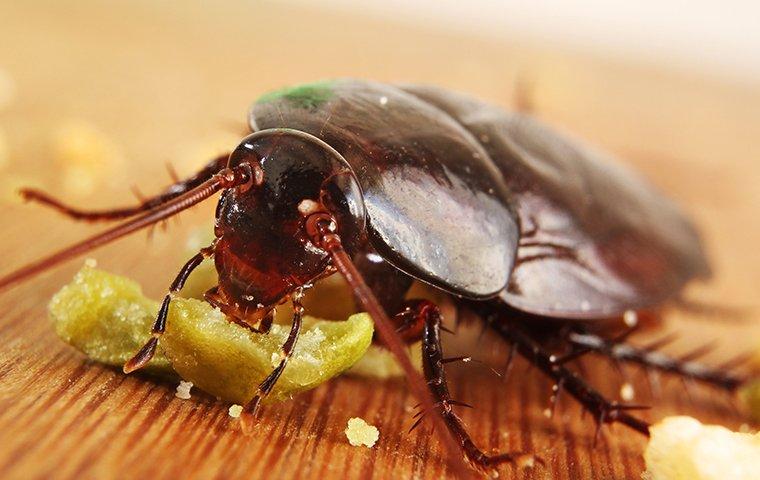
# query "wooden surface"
(172, 83)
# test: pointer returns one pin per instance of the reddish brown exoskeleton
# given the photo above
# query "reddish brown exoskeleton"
(539, 236)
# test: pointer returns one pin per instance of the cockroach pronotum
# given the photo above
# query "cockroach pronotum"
(539, 236)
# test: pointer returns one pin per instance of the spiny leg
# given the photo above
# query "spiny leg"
(428, 314)
(322, 228)
(602, 409)
(143, 356)
(175, 190)
(651, 358)
(249, 411)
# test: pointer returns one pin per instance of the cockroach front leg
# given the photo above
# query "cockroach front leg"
(428, 315)
(143, 356)
(174, 190)
(249, 411)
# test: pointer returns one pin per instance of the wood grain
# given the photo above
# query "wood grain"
(163, 82)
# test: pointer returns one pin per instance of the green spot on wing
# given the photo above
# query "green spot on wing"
(306, 96)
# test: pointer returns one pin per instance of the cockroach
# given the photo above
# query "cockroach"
(538, 235)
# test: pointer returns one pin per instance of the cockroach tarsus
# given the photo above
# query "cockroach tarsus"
(539, 236)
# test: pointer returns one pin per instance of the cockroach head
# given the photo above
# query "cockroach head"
(264, 250)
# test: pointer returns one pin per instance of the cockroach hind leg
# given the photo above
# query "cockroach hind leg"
(601, 408)
(652, 359)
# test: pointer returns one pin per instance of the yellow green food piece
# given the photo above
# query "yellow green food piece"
(750, 397)
(108, 318)
(230, 361)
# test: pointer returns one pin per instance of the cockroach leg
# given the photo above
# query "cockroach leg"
(602, 409)
(143, 356)
(410, 322)
(428, 314)
(173, 191)
(322, 229)
(650, 357)
(249, 411)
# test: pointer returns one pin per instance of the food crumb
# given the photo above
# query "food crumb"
(91, 262)
(235, 410)
(183, 390)
(627, 392)
(360, 432)
(682, 448)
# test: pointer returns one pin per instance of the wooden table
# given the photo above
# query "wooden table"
(157, 83)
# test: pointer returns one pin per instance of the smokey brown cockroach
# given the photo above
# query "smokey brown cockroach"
(539, 236)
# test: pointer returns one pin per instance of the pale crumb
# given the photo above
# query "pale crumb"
(630, 318)
(235, 410)
(627, 392)
(682, 448)
(183, 390)
(91, 263)
(548, 412)
(383, 100)
(360, 432)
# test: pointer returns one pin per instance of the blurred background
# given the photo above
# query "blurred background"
(97, 96)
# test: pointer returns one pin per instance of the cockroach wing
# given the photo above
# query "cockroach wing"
(438, 208)
(596, 238)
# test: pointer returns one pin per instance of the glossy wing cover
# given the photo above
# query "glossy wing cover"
(438, 207)
(596, 238)
(477, 200)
